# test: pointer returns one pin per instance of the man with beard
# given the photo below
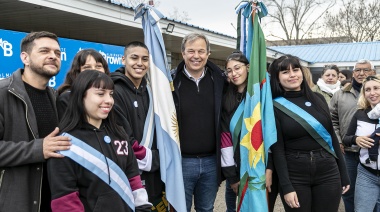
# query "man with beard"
(343, 106)
(28, 120)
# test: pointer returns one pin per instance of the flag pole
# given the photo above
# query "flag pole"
(254, 5)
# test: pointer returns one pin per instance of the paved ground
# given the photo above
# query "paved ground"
(220, 205)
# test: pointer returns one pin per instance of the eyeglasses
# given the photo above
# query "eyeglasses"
(365, 70)
(235, 69)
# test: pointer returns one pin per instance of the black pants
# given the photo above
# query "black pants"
(275, 189)
(316, 180)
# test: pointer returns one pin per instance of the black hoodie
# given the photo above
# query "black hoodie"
(73, 186)
(131, 107)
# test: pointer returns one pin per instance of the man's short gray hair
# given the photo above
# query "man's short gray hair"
(192, 37)
(365, 61)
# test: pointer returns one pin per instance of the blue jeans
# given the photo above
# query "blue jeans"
(230, 198)
(367, 192)
(200, 180)
(352, 161)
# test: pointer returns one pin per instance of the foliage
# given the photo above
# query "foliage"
(298, 19)
(179, 16)
(358, 20)
(176, 14)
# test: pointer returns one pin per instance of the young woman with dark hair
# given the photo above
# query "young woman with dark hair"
(99, 172)
(85, 59)
(345, 75)
(237, 66)
(307, 157)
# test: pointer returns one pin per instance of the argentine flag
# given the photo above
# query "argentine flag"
(165, 117)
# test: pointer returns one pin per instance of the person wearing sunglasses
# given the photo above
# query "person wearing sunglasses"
(343, 105)
(365, 122)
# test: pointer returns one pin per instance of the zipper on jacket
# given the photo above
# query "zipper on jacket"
(311, 156)
(34, 137)
(1, 176)
(26, 112)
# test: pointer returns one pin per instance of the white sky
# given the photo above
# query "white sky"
(215, 15)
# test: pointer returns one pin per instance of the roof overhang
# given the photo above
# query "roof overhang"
(341, 64)
(273, 54)
(98, 21)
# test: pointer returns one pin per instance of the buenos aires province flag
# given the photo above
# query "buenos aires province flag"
(258, 128)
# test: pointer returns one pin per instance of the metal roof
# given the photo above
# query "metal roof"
(335, 52)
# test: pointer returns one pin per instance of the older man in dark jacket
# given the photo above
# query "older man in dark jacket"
(28, 121)
(198, 98)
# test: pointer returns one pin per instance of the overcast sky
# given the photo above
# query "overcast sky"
(215, 15)
(218, 15)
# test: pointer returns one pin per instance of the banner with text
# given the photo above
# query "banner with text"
(10, 54)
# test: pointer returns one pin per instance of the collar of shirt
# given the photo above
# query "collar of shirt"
(192, 78)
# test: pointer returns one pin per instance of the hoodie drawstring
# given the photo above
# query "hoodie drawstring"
(101, 149)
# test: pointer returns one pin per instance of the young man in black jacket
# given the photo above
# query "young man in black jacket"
(131, 105)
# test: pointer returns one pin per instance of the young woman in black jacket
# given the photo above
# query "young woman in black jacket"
(99, 172)
(307, 157)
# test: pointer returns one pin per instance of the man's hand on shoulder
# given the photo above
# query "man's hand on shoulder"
(53, 143)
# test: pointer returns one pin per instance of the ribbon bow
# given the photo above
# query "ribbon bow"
(154, 15)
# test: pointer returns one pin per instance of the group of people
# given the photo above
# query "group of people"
(352, 97)
(79, 148)
(305, 164)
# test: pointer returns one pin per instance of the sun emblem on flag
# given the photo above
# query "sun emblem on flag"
(253, 140)
(175, 127)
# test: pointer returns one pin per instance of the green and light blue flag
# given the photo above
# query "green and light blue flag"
(258, 130)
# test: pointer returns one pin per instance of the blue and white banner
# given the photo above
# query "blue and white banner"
(10, 61)
(165, 117)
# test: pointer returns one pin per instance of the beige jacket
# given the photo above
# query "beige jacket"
(342, 106)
